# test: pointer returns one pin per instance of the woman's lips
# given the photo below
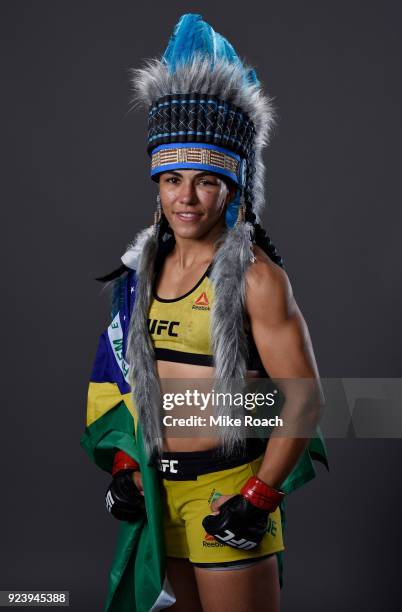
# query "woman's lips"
(189, 217)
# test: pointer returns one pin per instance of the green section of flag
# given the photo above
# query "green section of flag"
(138, 568)
(304, 470)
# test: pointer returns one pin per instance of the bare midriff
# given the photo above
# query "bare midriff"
(178, 371)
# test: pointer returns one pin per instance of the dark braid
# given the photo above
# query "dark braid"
(166, 241)
(260, 237)
(164, 230)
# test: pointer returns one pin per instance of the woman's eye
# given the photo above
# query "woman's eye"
(172, 179)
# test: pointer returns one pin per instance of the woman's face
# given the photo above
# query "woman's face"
(193, 202)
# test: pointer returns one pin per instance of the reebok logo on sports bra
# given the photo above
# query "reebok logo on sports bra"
(201, 303)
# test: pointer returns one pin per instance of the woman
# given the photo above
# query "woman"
(212, 301)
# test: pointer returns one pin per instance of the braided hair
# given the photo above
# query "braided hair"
(166, 241)
(260, 237)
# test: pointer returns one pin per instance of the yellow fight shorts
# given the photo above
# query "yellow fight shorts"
(187, 502)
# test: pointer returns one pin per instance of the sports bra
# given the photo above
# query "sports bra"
(180, 327)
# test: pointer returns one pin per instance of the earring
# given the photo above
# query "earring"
(157, 214)
(241, 213)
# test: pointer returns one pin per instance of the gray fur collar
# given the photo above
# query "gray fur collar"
(230, 265)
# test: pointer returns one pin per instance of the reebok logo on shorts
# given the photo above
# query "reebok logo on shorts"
(210, 542)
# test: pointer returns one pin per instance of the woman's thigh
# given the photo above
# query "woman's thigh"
(181, 576)
(252, 589)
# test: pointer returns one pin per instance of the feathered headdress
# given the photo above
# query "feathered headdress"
(206, 108)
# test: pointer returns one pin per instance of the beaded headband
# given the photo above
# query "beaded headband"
(197, 156)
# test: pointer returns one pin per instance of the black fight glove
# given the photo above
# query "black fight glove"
(122, 499)
(239, 523)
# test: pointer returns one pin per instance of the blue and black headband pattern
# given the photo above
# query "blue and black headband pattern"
(199, 118)
(179, 123)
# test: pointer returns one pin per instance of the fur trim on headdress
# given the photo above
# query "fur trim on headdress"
(135, 249)
(228, 278)
(143, 376)
(224, 80)
(229, 342)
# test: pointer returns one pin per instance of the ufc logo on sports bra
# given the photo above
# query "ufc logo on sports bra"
(169, 465)
(156, 326)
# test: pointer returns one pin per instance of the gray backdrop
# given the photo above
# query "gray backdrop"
(74, 194)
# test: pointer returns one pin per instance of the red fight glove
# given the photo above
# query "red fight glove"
(261, 495)
(122, 461)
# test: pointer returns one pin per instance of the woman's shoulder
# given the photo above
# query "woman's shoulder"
(264, 275)
(269, 293)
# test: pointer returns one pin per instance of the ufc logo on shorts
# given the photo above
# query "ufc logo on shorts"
(109, 501)
(230, 539)
(168, 465)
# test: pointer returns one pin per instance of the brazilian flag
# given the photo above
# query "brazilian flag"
(137, 579)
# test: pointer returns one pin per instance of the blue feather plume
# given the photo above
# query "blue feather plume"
(192, 36)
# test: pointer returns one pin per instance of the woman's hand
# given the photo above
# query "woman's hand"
(137, 479)
(236, 522)
(217, 503)
(124, 499)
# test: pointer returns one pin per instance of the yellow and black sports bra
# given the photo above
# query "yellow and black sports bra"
(180, 327)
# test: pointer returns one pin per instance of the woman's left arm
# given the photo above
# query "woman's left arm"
(283, 343)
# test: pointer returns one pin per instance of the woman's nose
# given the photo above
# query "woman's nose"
(187, 193)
